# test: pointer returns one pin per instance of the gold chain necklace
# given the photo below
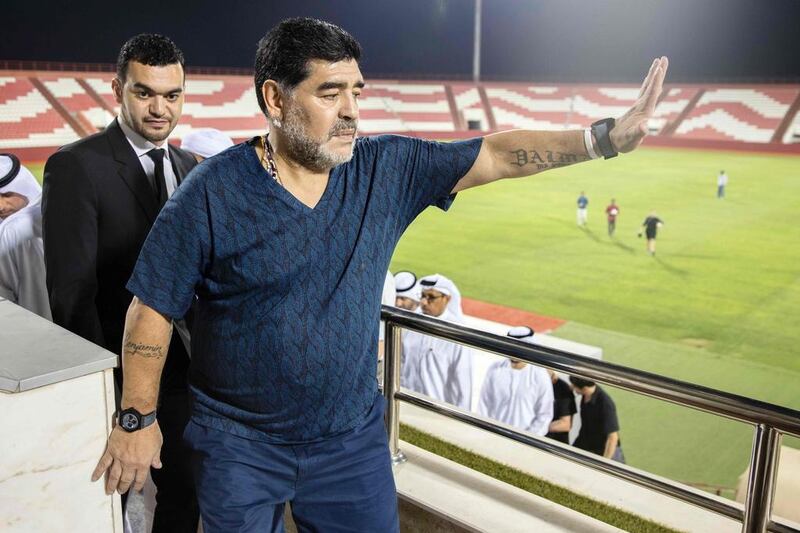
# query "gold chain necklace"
(269, 157)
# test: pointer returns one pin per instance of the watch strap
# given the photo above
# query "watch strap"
(601, 130)
(148, 419)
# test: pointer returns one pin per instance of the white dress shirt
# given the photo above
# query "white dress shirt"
(141, 146)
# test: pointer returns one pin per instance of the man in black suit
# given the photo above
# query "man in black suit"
(101, 196)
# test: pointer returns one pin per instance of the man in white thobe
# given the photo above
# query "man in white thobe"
(22, 275)
(435, 367)
(387, 298)
(18, 187)
(407, 291)
(518, 394)
(205, 142)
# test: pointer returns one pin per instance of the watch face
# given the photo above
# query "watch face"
(129, 421)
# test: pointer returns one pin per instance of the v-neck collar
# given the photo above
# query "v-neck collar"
(280, 190)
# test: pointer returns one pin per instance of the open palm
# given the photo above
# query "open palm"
(631, 127)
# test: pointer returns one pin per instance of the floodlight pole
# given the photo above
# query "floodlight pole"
(476, 40)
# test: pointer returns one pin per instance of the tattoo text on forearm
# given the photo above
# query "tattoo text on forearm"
(545, 160)
(153, 351)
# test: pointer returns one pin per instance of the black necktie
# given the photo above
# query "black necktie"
(157, 155)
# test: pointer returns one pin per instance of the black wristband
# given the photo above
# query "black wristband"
(601, 130)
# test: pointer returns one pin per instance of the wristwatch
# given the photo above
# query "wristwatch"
(132, 420)
(601, 130)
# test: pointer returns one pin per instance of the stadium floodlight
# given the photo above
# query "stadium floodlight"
(476, 41)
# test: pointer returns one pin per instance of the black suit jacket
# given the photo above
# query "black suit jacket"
(97, 209)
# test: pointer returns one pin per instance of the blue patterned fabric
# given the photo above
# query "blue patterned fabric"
(286, 331)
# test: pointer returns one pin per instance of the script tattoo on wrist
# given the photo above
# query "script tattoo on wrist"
(545, 160)
(151, 351)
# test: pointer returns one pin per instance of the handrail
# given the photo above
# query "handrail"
(770, 420)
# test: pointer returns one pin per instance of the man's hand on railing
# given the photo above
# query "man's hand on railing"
(128, 458)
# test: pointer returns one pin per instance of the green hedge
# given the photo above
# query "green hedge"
(600, 511)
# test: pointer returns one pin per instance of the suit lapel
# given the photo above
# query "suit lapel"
(180, 165)
(131, 171)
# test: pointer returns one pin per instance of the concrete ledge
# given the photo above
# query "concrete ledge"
(572, 476)
(471, 501)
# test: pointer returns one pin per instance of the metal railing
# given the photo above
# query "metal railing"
(770, 421)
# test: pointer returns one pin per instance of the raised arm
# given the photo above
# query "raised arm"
(518, 153)
(129, 456)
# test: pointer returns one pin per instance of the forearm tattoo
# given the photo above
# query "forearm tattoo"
(545, 160)
(150, 351)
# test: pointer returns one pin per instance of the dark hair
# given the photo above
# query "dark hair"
(283, 54)
(148, 49)
(581, 382)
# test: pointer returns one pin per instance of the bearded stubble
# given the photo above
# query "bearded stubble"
(310, 152)
(137, 124)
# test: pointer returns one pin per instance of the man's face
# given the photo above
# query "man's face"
(11, 202)
(320, 116)
(434, 302)
(404, 302)
(150, 99)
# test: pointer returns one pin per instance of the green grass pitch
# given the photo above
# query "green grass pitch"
(719, 304)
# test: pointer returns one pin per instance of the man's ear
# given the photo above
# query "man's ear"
(116, 86)
(274, 99)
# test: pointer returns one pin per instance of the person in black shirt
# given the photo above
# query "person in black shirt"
(563, 409)
(650, 227)
(599, 426)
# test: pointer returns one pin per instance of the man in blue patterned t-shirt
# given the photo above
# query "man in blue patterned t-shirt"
(284, 242)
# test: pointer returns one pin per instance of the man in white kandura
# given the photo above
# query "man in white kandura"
(407, 291)
(22, 275)
(205, 142)
(518, 394)
(435, 367)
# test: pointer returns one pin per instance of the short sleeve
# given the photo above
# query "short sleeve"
(564, 404)
(610, 423)
(571, 407)
(424, 172)
(176, 253)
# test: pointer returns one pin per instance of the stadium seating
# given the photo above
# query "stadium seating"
(101, 85)
(83, 103)
(77, 101)
(738, 114)
(672, 104)
(227, 103)
(469, 105)
(405, 107)
(792, 134)
(27, 119)
(533, 107)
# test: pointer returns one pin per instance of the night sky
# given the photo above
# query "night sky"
(537, 40)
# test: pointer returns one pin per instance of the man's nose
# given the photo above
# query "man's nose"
(349, 109)
(157, 106)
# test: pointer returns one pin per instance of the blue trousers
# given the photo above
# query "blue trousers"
(343, 484)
